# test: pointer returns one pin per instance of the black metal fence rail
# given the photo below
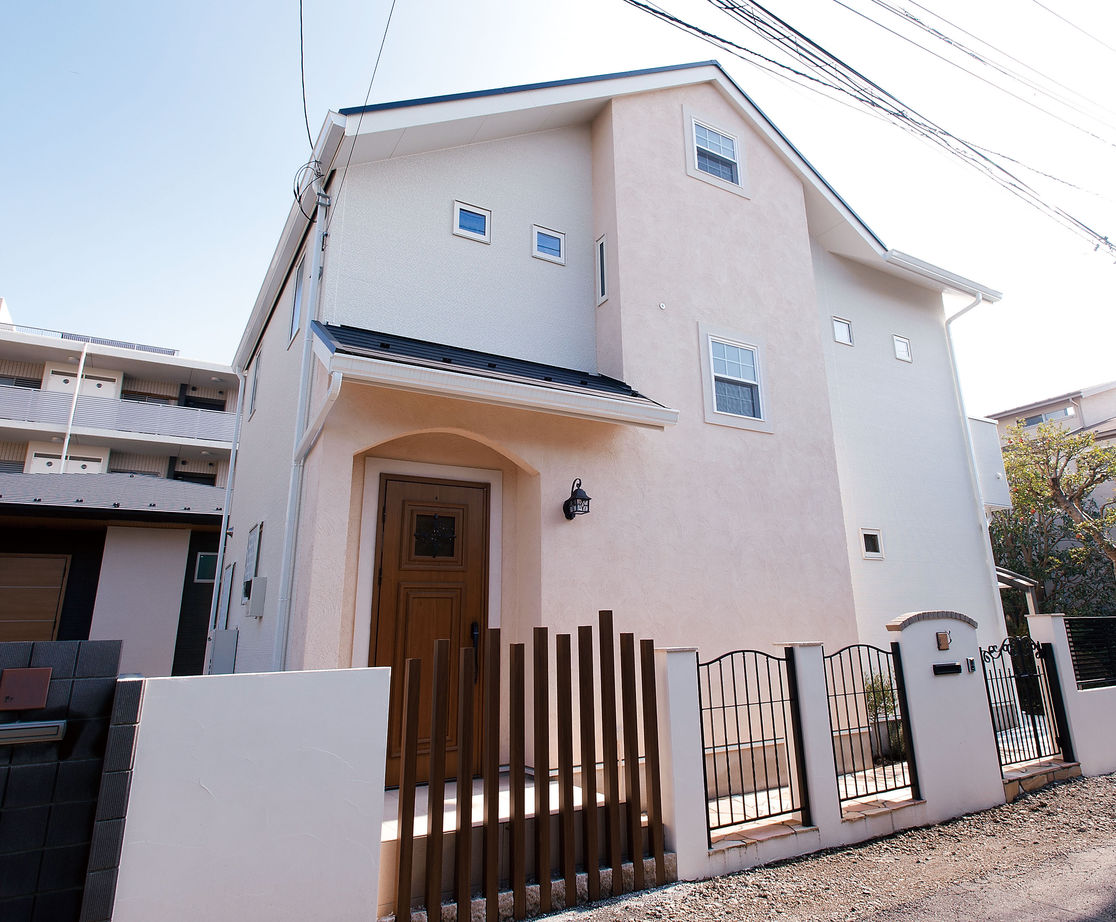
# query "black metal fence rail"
(750, 738)
(1020, 701)
(872, 749)
(1092, 645)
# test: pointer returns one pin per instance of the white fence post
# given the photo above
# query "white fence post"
(817, 737)
(685, 812)
(954, 744)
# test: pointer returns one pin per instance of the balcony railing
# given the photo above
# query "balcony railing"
(82, 338)
(32, 405)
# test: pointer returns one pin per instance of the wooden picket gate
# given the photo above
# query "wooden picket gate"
(591, 840)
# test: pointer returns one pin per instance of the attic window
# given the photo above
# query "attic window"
(472, 222)
(716, 154)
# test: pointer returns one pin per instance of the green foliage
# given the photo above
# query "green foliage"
(1055, 532)
(879, 696)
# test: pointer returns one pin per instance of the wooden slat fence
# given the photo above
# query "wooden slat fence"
(592, 831)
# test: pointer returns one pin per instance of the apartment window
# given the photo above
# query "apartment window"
(871, 543)
(1049, 416)
(472, 222)
(716, 153)
(902, 348)
(296, 310)
(842, 330)
(549, 245)
(602, 271)
(733, 380)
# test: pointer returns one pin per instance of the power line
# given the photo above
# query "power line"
(302, 74)
(1074, 25)
(837, 76)
(367, 94)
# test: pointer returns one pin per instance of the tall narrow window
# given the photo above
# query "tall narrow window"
(255, 385)
(296, 310)
(602, 272)
(735, 379)
(716, 153)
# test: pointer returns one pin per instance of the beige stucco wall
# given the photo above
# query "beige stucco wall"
(139, 595)
(394, 265)
(902, 455)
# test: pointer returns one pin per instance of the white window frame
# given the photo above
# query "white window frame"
(197, 566)
(707, 335)
(600, 266)
(872, 555)
(691, 120)
(296, 306)
(898, 342)
(254, 388)
(459, 231)
(537, 229)
(848, 323)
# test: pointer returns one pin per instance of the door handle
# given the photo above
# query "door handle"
(474, 633)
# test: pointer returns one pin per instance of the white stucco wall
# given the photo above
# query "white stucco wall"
(901, 451)
(256, 797)
(394, 265)
(139, 595)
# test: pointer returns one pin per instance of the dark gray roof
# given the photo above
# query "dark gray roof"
(388, 346)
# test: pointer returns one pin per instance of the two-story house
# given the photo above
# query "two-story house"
(114, 462)
(632, 286)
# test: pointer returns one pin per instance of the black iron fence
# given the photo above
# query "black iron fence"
(1092, 645)
(751, 738)
(1024, 701)
(872, 745)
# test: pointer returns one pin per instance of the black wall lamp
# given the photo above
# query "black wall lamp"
(578, 503)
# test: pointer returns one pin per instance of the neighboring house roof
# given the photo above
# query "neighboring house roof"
(485, 377)
(1025, 409)
(128, 493)
(385, 130)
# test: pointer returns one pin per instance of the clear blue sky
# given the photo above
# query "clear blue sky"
(149, 150)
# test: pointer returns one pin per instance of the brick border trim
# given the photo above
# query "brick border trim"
(905, 621)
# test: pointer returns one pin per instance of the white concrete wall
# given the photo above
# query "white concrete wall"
(139, 595)
(902, 455)
(1091, 712)
(256, 797)
(394, 265)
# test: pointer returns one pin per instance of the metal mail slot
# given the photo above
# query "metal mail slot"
(947, 669)
(32, 731)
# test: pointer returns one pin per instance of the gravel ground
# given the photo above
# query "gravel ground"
(900, 877)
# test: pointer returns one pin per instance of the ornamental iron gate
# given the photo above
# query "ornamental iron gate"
(1025, 701)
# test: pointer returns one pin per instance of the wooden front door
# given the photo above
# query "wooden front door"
(431, 583)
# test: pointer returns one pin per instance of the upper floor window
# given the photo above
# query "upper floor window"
(549, 245)
(472, 222)
(254, 390)
(296, 310)
(842, 330)
(902, 348)
(716, 153)
(1048, 416)
(733, 381)
(602, 271)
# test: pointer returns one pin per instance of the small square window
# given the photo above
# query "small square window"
(602, 272)
(842, 330)
(205, 568)
(472, 222)
(716, 154)
(871, 540)
(549, 245)
(902, 348)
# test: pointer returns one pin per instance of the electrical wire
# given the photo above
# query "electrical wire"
(356, 134)
(1074, 25)
(302, 74)
(834, 75)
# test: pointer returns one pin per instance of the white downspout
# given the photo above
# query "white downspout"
(974, 478)
(73, 410)
(294, 490)
(242, 383)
